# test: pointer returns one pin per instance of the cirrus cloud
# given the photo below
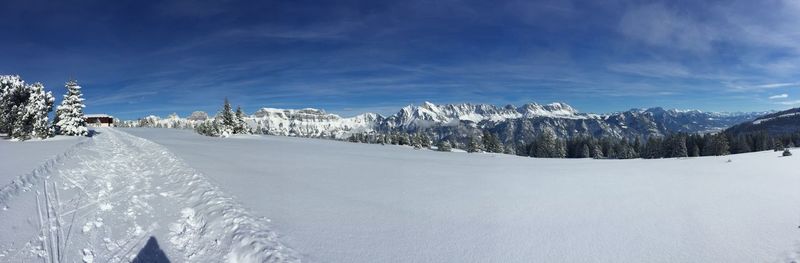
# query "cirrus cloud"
(779, 96)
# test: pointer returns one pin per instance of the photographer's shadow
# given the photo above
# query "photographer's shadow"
(151, 253)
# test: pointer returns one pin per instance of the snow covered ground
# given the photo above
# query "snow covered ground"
(152, 193)
(119, 198)
(18, 158)
(344, 202)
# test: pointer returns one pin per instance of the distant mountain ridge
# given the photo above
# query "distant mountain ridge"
(777, 123)
(460, 121)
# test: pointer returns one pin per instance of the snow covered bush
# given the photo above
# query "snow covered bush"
(24, 109)
(69, 115)
(786, 152)
(444, 146)
(207, 128)
(474, 145)
(225, 123)
(214, 128)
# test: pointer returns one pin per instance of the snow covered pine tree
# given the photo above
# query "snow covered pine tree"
(69, 115)
(24, 109)
(10, 99)
(40, 104)
(444, 146)
(240, 127)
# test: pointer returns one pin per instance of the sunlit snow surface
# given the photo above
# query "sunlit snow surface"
(120, 198)
(346, 202)
(332, 201)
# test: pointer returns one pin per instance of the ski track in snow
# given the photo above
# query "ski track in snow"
(103, 199)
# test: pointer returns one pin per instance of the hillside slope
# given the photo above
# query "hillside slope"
(345, 202)
(778, 123)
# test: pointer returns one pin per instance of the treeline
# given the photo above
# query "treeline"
(547, 145)
(226, 122)
(761, 141)
(25, 109)
(418, 140)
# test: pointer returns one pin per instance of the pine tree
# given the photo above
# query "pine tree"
(416, 141)
(560, 149)
(510, 148)
(240, 126)
(609, 150)
(40, 104)
(716, 144)
(486, 140)
(653, 148)
(597, 151)
(443, 146)
(25, 109)
(491, 143)
(677, 146)
(637, 146)
(474, 145)
(425, 140)
(12, 95)
(547, 146)
(403, 139)
(695, 151)
(70, 112)
(624, 150)
(228, 118)
(739, 144)
(777, 145)
(585, 153)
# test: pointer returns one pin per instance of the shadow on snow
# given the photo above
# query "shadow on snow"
(151, 253)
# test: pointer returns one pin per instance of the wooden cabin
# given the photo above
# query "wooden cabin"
(99, 120)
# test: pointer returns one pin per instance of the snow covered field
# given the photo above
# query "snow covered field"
(145, 193)
(344, 202)
(119, 198)
(18, 158)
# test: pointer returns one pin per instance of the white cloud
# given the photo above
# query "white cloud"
(776, 85)
(657, 25)
(651, 69)
(779, 96)
(757, 28)
(744, 87)
(791, 102)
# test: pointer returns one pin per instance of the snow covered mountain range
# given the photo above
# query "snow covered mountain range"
(511, 123)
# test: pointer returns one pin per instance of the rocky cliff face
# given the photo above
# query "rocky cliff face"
(311, 123)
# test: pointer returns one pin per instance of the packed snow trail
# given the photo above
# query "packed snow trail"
(109, 198)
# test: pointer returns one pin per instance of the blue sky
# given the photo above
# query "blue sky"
(135, 58)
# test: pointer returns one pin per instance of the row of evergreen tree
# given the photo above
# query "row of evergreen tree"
(761, 141)
(25, 109)
(418, 140)
(547, 145)
(226, 122)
